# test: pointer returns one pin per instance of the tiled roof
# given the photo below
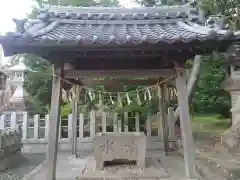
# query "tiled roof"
(97, 13)
(167, 24)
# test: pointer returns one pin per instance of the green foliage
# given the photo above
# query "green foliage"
(210, 123)
(223, 7)
(83, 3)
(210, 96)
(158, 2)
(146, 2)
(120, 104)
(66, 109)
(39, 82)
(108, 3)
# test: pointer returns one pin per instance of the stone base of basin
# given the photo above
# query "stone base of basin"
(153, 170)
(120, 146)
(11, 160)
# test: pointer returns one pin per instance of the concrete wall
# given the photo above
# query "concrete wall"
(10, 148)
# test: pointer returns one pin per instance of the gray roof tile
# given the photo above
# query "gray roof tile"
(119, 26)
(151, 33)
(121, 34)
(104, 13)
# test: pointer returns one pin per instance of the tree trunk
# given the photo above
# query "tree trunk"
(192, 82)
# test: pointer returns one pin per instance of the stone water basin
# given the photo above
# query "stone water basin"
(111, 146)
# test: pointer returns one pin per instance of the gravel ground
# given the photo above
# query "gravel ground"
(22, 168)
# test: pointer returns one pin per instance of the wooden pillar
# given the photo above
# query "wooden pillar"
(166, 105)
(186, 128)
(171, 127)
(171, 123)
(74, 120)
(51, 156)
(163, 117)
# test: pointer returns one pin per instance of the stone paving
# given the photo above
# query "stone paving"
(67, 167)
(124, 170)
(22, 168)
(219, 160)
(70, 168)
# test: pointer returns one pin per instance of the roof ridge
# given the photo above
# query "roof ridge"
(59, 25)
(118, 13)
(47, 7)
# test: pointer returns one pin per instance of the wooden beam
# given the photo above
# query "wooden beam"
(119, 73)
(74, 120)
(186, 128)
(51, 159)
(119, 83)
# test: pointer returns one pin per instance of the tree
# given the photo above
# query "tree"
(192, 81)
(210, 96)
(150, 3)
(206, 99)
(39, 82)
(194, 76)
(147, 3)
(83, 3)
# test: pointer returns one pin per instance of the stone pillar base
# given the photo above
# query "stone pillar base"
(11, 160)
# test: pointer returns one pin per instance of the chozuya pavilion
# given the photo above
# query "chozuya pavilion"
(119, 42)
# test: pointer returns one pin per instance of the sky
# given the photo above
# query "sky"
(20, 8)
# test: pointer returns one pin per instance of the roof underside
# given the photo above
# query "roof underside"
(157, 34)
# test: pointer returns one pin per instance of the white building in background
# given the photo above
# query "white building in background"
(17, 103)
